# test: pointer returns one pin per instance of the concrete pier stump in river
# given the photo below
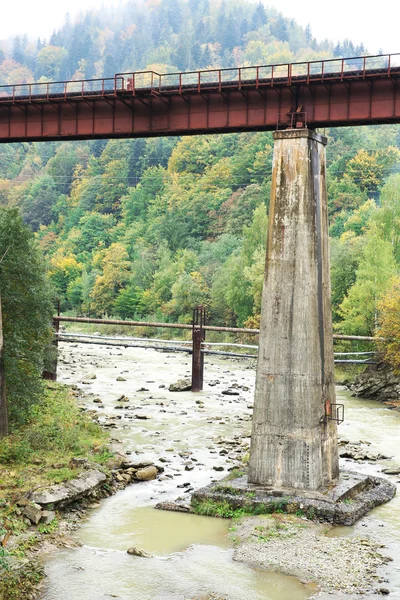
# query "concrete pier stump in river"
(294, 440)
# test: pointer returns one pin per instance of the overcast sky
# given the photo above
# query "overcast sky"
(374, 24)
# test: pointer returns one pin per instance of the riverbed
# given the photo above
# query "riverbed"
(197, 438)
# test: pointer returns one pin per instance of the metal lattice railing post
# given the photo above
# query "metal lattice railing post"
(198, 337)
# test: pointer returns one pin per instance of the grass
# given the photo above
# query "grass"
(224, 509)
(347, 373)
(278, 525)
(57, 432)
(235, 474)
(39, 454)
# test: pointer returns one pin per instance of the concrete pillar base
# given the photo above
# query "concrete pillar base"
(362, 493)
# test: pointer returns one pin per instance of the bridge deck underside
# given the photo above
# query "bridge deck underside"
(319, 104)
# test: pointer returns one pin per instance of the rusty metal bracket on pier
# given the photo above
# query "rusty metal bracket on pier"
(334, 412)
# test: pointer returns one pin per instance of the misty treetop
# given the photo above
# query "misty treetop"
(167, 35)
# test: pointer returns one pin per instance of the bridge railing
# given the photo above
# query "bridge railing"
(197, 347)
(286, 73)
(337, 69)
(61, 89)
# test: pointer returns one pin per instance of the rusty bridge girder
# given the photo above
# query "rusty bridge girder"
(340, 92)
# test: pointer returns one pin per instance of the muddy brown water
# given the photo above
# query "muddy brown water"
(191, 554)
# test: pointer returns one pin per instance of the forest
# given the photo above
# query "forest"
(149, 228)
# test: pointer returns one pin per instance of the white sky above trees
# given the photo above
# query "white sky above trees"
(375, 25)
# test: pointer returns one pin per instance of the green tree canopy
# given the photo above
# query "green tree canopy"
(27, 311)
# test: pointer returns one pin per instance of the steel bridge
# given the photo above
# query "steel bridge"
(327, 93)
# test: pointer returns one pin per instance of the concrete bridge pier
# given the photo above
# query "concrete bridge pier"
(294, 452)
(294, 440)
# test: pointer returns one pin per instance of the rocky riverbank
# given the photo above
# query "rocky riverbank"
(378, 382)
(196, 438)
(37, 516)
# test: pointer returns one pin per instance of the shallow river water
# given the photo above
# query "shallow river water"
(191, 554)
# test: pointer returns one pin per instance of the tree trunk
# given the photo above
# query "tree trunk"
(3, 397)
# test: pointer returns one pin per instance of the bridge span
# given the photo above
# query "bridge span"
(327, 93)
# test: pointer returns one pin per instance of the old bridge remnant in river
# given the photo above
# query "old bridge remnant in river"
(294, 441)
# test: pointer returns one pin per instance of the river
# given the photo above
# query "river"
(191, 554)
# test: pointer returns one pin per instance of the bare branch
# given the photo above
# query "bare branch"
(5, 254)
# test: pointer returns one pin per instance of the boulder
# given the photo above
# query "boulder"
(174, 506)
(136, 552)
(137, 465)
(47, 517)
(146, 474)
(64, 493)
(34, 512)
(182, 385)
(392, 470)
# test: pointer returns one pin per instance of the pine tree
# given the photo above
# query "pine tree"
(279, 29)
(18, 51)
(244, 28)
(206, 57)
(308, 34)
(259, 17)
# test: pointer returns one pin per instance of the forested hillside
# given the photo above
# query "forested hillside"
(150, 228)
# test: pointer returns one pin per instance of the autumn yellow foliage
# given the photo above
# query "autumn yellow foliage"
(389, 324)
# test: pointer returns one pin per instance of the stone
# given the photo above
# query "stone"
(23, 502)
(174, 506)
(378, 382)
(64, 493)
(47, 517)
(90, 376)
(230, 392)
(136, 552)
(391, 471)
(143, 417)
(137, 464)
(33, 512)
(182, 385)
(122, 399)
(120, 378)
(79, 462)
(146, 474)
